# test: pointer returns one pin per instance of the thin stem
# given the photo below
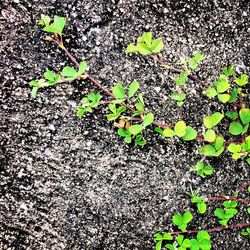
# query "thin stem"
(243, 186)
(175, 70)
(231, 198)
(216, 229)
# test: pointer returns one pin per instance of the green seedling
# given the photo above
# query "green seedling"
(159, 238)
(146, 45)
(242, 80)
(222, 87)
(181, 221)
(240, 150)
(202, 241)
(188, 65)
(56, 26)
(241, 126)
(201, 203)
(214, 149)
(181, 130)
(201, 169)
(179, 98)
(180, 243)
(88, 103)
(51, 78)
(229, 211)
(228, 71)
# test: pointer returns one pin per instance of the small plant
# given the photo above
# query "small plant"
(146, 45)
(181, 130)
(88, 104)
(201, 203)
(188, 65)
(229, 211)
(222, 87)
(182, 220)
(201, 169)
(129, 116)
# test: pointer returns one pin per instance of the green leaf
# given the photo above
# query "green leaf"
(209, 150)
(180, 128)
(123, 132)
(133, 87)
(177, 219)
(157, 45)
(57, 26)
(147, 38)
(205, 244)
(187, 217)
(135, 129)
(232, 115)
(143, 49)
(181, 80)
(203, 235)
(211, 92)
(234, 95)
(245, 129)
(222, 84)
(202, 207)
(80, 112)
(118, 91)
(212, 120)
(69, 72)
(112, 117)
(228, 71)
(131, 49)
(82, 67)
(167, 132)
(198, 57)
(191, 134)
(219, 142)
(194, 245)
(235, 128)
(59, 23)
(208, 170)
(219, 213)
(224, 98)
(45, 20)
(148, 119)
(158, 245)
(34, 92)
(242, 80)
(178, 97)
(245, 115)
(180, 239)
(49, 75)
(192, 63)
(210, 135)
(112, 107)
(128, 139)
(234, 148)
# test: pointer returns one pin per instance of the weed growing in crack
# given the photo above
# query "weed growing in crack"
(127, 113)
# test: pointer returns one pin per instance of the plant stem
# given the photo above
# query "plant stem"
(231, 198)
(216, 229)
(175, 70)
(243, 186)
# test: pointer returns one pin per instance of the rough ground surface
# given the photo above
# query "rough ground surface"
(70, 184)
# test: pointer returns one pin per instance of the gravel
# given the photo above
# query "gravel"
(70, 184)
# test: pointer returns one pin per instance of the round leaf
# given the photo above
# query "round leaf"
(235, 128)
(180, 128)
